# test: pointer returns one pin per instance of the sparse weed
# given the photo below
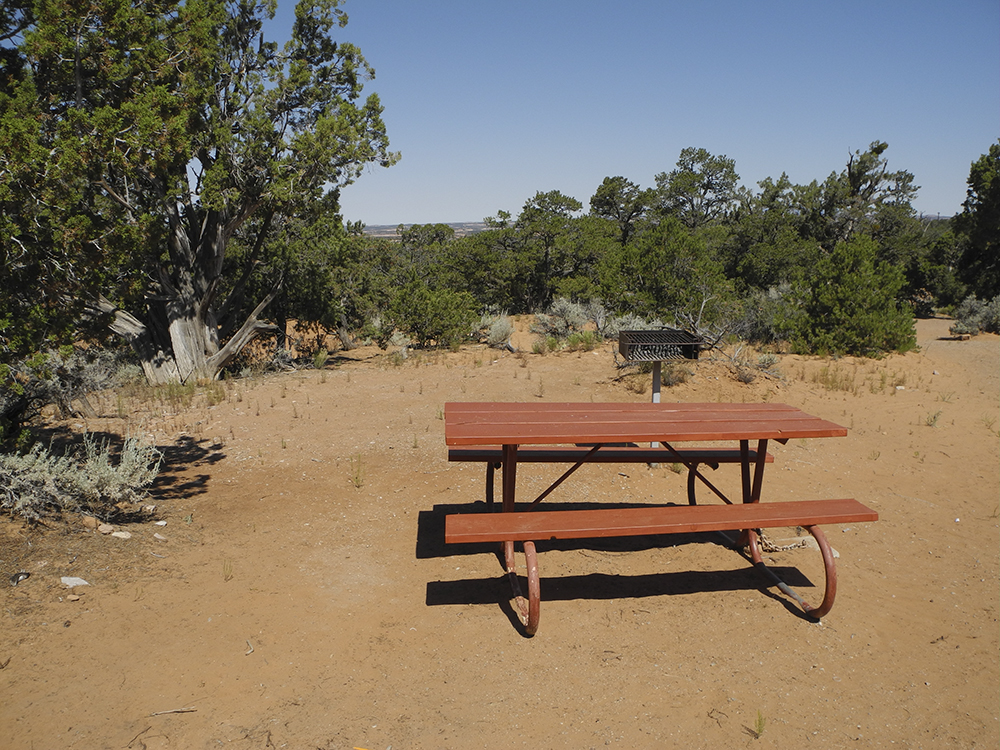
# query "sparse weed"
(215, 393)
(357, 472)
(673, 374)
(758, 726)
(585, 341)
(836, 378)
(931, 420)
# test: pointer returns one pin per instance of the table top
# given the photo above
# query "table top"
(497, 423)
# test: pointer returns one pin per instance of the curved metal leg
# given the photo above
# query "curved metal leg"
(534, 589)
(692, 475)
(829, 566)
(529, 608)
(509, 563)
(831, 573)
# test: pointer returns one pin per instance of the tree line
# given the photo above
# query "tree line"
(839, 266)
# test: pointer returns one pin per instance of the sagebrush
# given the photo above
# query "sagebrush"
(94, 479)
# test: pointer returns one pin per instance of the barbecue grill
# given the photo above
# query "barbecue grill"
(658, 344)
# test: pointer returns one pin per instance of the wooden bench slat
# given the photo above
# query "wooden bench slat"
(613, 522)
(607, 455)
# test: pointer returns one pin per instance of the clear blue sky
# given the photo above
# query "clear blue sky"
(490, 102)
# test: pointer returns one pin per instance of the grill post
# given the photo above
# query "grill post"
(655, 345)
(656, 396)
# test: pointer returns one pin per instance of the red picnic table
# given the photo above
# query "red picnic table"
(597, 432)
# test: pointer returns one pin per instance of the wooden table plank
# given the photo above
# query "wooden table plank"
(522, 424)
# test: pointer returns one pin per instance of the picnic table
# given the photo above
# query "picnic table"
(581, 433)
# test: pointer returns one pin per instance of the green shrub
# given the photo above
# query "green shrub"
(444, 317)
(852, 308)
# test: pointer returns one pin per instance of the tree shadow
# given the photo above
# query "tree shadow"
(178, 459)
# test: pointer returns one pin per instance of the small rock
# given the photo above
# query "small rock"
(121, 535)
(89, 522)
(161, 523)
(72, 581)
(73, 598)
(105, 528)
(900, 388)
(149, 508)
(160, 537)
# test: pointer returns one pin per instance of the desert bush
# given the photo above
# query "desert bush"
(673, 374)
(561, 319)
(628, 322)
(496, 330)
(973, 316)
(768, 317)
(39, 483)
(64, 378)
(443, 317)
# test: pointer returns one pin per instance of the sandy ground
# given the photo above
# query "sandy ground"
(302, 596)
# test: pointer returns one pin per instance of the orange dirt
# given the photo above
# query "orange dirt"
(302, 597)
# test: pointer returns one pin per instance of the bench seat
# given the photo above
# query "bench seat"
(531, 526)
(674, 519)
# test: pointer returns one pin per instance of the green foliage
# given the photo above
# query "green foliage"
(701, 189)
(851, 306)
(135, 145)
(623, 202)
(979, 226)
(39, 483)
(665, 272)
(445, 317)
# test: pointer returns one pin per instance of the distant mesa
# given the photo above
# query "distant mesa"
(462, 229)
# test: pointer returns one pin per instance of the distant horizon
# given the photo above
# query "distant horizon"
(407, 224)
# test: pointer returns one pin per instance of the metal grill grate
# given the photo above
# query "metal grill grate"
(658, 344)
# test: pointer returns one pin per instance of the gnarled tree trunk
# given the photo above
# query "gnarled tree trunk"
(179, 339)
